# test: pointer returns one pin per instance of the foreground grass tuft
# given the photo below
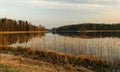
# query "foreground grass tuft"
(5, 68)
(60, 59)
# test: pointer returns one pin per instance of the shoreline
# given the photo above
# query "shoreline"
(12, 63)
(18, 32)
(90, 31)
(10, 32)
(59, 58)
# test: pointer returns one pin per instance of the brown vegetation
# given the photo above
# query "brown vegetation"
(59, 58)
(12, 63)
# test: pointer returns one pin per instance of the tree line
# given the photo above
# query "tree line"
(88, 26)
(13, 25)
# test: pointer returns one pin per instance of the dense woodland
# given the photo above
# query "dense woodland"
(88, 26)
(13, 25)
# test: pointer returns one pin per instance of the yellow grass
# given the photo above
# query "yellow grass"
(12, 63)
(16, 32)
(59, 58)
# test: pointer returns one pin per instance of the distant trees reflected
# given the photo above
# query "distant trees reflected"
(82, 30)
(7, 39)
(89, 34)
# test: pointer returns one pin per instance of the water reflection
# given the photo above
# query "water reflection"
(98, 45)
(7, 39)
(89, 34)
(107, 48)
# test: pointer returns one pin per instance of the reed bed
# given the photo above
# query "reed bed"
(60, 58)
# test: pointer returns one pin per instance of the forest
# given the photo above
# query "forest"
(88, 26)
(13, 25)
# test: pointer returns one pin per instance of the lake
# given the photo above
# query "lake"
(98, 45)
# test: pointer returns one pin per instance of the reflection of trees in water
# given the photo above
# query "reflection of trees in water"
(89, 34)
(7, 39)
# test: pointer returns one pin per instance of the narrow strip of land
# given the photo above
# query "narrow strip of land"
(100, 31)
(92, 31)
(16, 32)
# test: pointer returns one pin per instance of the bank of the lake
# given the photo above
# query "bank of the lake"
(59, 59)
(12, 63)
(21, 32)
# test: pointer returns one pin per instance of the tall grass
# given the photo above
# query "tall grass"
(60, 58)
(5, 68)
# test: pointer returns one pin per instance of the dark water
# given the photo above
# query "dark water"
(98, 45)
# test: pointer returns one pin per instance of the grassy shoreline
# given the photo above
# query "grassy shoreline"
(59, 58)
(19, 32)
(12, 63)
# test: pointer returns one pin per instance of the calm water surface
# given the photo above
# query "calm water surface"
(99, 47)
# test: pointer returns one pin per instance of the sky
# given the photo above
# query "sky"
(55, 13)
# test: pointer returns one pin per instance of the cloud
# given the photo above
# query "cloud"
(86, 1)
(81, 1)
(118, 1)
(110, 15)
(53, 12)
(46, 3)
(97, 1)
(56, 3)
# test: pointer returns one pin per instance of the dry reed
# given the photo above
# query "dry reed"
(59, 58)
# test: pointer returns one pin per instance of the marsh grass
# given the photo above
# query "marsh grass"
(98, 65)
(5, 68)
